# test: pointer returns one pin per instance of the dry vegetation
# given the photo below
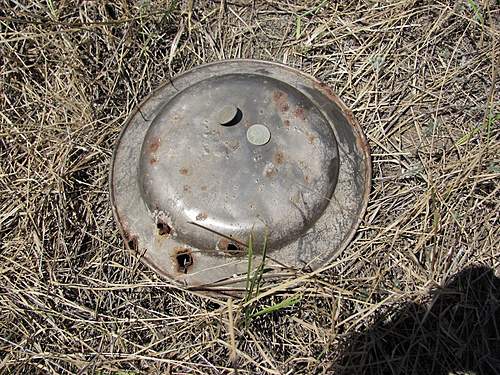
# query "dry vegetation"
(420, 77)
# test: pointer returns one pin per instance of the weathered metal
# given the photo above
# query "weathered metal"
(234, 148)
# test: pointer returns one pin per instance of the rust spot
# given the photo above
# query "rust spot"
(286, 123)
(334, 98)
(278, 95)
(300, 113)
(201, 216)
(327, 91)
(153, 161)
(204, 188)
(362, 144)
(183, 258)
(307, 178)
(311, 137)
(186, 188)
(153, 147)
(279, 157)
(270, 172)
(360, 139)
(184, 171)
(163, 228)
(281, 100)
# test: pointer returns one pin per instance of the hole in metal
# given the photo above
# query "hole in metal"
(237, 118)
(132, 244)
(232, 247)
(228, 247)
(163, 228)
(184, 260)
(229, 115)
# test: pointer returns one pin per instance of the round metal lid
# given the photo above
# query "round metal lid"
(232, 149)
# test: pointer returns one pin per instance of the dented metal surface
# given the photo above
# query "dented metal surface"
(189, 184)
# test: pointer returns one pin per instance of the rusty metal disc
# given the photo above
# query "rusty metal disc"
(234, 148)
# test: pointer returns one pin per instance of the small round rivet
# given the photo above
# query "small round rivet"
(258, 134)
(227, 114)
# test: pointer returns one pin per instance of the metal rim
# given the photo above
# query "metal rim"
(326, 91)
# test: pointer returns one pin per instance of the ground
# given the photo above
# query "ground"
(417, 292)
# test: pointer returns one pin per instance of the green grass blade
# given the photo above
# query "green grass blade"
(287, 302)
(261, 266)
(249, 268)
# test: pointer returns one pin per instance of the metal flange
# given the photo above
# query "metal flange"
(234, 148)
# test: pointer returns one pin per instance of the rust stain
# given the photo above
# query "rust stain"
(270, 172)
(184, 171)
(327, 90)
(334, 98)
(153, 161)
(300, 113)
(279, 157)
(350, 118)
(153, 147)
(360, 139)
(307, 178)
(222, 244)
(311, 137)
(362, 144)
(131, 241)
(286, 123)
(202, 216)
(278, 95)
(281, 100)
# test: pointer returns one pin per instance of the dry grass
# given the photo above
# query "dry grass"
(421, 78)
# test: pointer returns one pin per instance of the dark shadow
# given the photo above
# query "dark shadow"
(456, 332)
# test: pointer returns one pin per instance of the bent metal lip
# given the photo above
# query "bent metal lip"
(232, 149)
